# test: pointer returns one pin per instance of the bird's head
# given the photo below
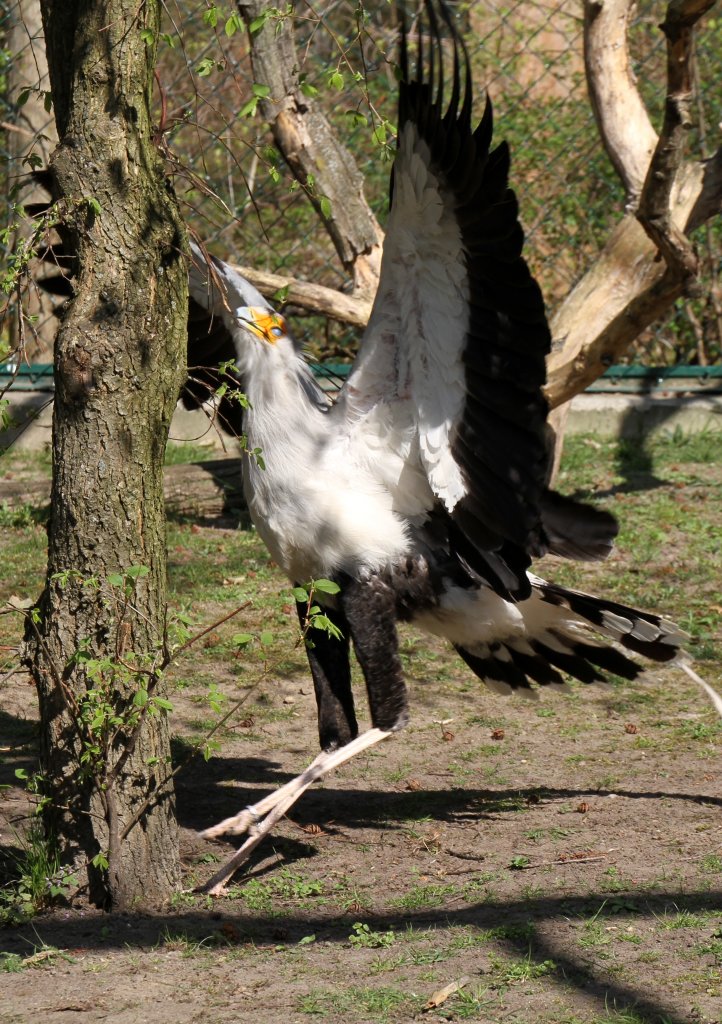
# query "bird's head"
(262, 322)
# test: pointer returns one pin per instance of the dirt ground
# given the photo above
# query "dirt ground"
(560, 859)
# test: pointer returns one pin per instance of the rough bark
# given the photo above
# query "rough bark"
(313, 151)
(30, 130)
(119, 363)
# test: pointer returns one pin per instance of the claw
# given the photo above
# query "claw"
(275, 805)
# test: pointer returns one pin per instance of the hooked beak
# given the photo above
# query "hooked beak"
(264, 323)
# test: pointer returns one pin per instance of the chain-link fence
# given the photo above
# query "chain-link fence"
(241, 199)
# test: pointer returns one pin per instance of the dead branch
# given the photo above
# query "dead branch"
(312, 150)
(629, 287)
(625, 291)
(655, 213)
(622, 119)
(351, 309)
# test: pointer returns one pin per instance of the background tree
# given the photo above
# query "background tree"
(97, 642)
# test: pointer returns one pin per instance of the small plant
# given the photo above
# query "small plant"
(40, 880)
(364, 938)
(712, 864)
(525, 969)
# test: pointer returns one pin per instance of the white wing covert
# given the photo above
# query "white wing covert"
(458, 329)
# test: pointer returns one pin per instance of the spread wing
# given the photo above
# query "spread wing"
(458, 329)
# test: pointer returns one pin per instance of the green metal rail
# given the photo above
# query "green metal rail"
(636, 380)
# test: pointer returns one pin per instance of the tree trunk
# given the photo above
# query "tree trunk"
(96, 644)
(30, 134)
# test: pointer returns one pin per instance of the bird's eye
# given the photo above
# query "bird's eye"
(276, 332)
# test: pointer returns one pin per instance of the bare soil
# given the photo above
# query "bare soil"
(563, 856)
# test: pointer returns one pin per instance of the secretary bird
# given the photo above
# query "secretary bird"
(422, 491)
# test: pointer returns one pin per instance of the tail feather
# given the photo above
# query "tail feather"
(576, 634)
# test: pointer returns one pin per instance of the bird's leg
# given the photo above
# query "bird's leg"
(370, 608)
(278, 803)
(328, 657)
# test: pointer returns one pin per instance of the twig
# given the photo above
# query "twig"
(654, 212)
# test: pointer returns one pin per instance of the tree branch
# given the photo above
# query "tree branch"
(348, 309)
(312, 150)
(622, 119)
(655, 206)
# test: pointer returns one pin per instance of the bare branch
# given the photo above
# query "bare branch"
(622, 119)
(629, 287)
(313, 151)
(626, 290)
(315, 297)
(655, 213)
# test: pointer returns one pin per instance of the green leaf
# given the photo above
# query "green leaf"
(146, 34)
(257, 24)
(23, 97)
(380, 134)
(93, 205)
(242, 639)
(266, 638)
(261, 90)
(205, 67)
(233, 25)
(325, 205)
(20, 773)
(115, 579)
(325, 586)
(100, 861)
(249, 109)
(161, 702)
(141, 698)
(210, 16)
(300, 594)
(335, 80)
(356, 117)
(136, 571)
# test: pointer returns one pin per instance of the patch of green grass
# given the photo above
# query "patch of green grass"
(682, 919)
(42, 956)
(711, 948)
(470, 1003)
(419, 897)
(711, 865)
(594, 935)
(285, 887)
(357, 1002)
(37, 878)
(509, 972)
(179, 453)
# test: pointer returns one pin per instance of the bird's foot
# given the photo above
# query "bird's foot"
(259, 818)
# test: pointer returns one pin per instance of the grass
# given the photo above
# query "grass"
(456, 837)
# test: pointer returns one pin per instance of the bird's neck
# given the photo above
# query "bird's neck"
(281, 411)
